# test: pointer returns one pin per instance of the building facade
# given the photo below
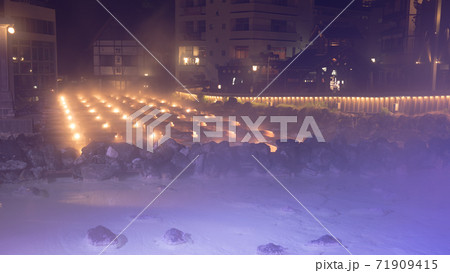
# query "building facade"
(120, 62)
(249, 35)
(32, 58)
(412, 47)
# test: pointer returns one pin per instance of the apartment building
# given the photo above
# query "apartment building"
(119, 61)
(32, 60)
(247, 35)
(410, 46)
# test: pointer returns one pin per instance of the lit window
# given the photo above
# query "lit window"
(241, 52)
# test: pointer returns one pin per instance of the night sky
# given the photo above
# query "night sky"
(79, 22)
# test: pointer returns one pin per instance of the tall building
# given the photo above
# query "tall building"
(249, 35)
(6, 89)
(31, 49)
(398, 40)
(119, 61)
(412, 50)
(358, 27)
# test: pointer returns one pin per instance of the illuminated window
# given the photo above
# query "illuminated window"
(191, 55)
(241, 52)
(280, 51)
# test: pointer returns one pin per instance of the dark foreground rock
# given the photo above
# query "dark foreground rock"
(29, 158)
(326, 240)
(176, 237)
(100, 161)
(101, 236)
(270, 249)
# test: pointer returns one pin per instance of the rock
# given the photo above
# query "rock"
(377, 156)
(218, 159)
(38, 172)
(326, 240)
(146, 168)
(125, 152)
(68, 157)
(110, 152)
(179, 160)
(166, 151)
(99, 171)
(36, 157)
(185, 151)
(10, 150)
(176, 237)
(321, 156)
(243, 160)
(12, 165)
(28, 141)
(101, 236)
(26, 175)
(52, 157)
(417, 155)
(32, 192)
(95, 148)
(167, 170)
(440, 148)
(9, 176)
(270, 249)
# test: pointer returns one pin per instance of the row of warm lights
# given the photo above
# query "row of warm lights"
(98, 117)
(72, 125)
(325, 98)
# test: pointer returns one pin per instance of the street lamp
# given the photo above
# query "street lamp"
(11, 30)
(255, 68)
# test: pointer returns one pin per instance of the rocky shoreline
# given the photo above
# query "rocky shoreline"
(29, 158)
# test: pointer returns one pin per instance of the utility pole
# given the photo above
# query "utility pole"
(436, 44)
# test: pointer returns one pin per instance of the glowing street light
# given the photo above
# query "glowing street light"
(76, 136)
(11, 30)
(255, 68)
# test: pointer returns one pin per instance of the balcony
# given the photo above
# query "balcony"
(193, 36)
(264, 28)
(189, 11)
(285, 3)
(263, 6)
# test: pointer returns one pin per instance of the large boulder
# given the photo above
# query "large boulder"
(68, 157)
(270, 249)
(218, 158)
(12, 165)
(125, 152)
(10, 150)
(36, 157)
(326, 240)
(146, 168)
(176, 237)
(93, 171)
(52, 157)
(417, 156)
(102, 236)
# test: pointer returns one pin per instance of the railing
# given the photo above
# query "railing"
(408, 105)
(285, 3)
(194, 36)
(199, 10)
